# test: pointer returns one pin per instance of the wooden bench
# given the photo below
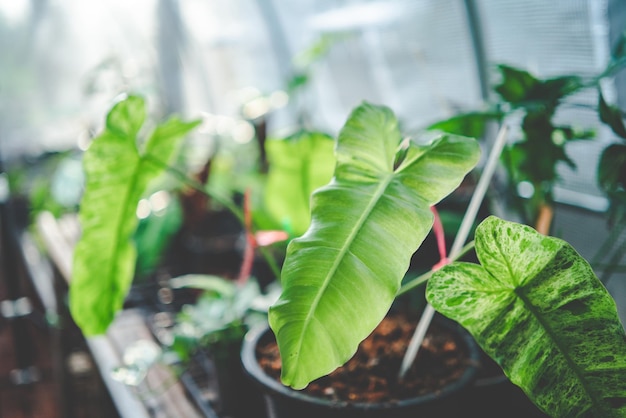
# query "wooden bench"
(160, 395)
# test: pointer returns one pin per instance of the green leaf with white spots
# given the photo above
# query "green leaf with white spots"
(536, 307)
(340, 278)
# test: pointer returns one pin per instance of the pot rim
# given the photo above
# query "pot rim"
(254, 370)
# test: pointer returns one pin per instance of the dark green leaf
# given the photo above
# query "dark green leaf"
(619, 49)
(536, 307)
(612, 178)
(612, 116)
(340, 278)
(468, 124)
(519, 87)
(515, 84)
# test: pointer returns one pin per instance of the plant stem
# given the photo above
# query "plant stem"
(419, 280)
(544, 218)
(226, 202)
(479, 193)
(459, 241)
(199, 187)
(271, 262)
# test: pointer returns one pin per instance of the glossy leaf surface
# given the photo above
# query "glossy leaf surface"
(340, 278)
(535, 306)
(117, 175)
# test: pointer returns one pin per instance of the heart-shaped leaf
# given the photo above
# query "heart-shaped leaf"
(340, 278)
(117, 175)
(536, 307)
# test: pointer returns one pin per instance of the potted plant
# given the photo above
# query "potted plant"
(341, 277)
(134, 227)
(379, 198)
(532, 160)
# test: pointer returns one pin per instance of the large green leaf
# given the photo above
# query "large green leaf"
(298, 165)
(340, 278)
(117, 174)
(535, 306)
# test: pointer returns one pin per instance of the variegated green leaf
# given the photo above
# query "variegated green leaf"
(340, 278)
(117, 174)
(536, 307)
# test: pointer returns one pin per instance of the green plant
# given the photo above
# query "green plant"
(334, 290)
(536, 307)
(340, 278)
(118, 171)
(531, 161)
(611, 175)
(125, 173)
(221, 315)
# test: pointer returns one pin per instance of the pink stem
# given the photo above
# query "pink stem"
(441, 240)
(248, 254)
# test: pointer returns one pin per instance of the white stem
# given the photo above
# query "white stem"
(459, 241)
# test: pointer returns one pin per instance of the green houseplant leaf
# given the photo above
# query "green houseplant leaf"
(298, 165)
(536, 307)
(468, 124)
(519, 87)
(117, 174)
(612, 116)
(340, 278)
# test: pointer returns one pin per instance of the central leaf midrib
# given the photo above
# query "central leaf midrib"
(553, 336)
(344, 249)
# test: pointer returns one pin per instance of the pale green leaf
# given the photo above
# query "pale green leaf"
(116, 177)
(340, 278)
(535, 306)
(298, 165)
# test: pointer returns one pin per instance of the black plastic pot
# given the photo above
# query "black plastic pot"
(283, 402)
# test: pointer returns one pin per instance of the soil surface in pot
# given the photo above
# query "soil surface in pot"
(371, 375)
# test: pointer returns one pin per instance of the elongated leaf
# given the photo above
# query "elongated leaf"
(535, 306)
(612, 116)
(298, 165)
(340, 278)
(116, 177)
(468, 124)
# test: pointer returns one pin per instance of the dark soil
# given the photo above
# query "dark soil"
(371, 375)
